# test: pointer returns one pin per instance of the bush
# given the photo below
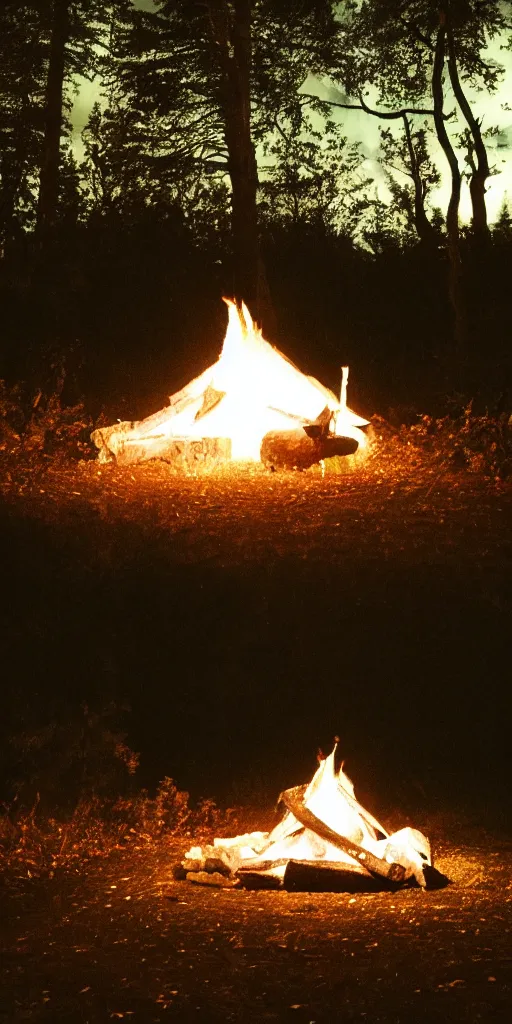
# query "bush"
(33, 844)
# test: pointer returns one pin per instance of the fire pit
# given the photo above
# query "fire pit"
(325, 841)
(252, 404)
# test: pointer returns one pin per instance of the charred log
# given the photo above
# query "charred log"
(322, 424)
(330, 876)
(293, 449)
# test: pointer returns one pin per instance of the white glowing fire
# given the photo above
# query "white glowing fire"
(251, 390)
(330, 799)
(263, 391)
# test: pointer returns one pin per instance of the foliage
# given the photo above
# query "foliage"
(21, 105)
(25, 42)
(458, 442)
(72, 754)
(313, 176)
(391, 46)
(502, 230)
(481, 444)
(164, 131)
(41, 422)
(400, 176)
(34, 844)
(401, 52)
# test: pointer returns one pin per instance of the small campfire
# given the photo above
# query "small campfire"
(253, 404)
(325, 841)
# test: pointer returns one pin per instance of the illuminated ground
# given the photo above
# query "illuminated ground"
(248, 618)
(121, 941)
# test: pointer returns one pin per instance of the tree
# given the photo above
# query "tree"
(403, 50)
(502, 231)
(212, 77)
(77, 34)
(59, 30)
(312, 177)
(409, 157)
(231, 40)
(21, 98)
(45, 46)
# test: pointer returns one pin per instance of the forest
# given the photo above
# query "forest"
(182, 643)
(215, 160)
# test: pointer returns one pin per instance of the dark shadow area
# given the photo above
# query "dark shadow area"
(235, 674)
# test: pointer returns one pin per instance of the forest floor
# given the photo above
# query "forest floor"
(122, 941)
(248, 616)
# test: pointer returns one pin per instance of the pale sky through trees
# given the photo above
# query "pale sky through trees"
(363, 128)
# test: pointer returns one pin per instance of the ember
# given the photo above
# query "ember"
(252, 404)
(326, 840)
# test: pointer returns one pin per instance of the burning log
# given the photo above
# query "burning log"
(326, 840)
(294, 449)
(182, 452)
(252, 394)
(293, 799)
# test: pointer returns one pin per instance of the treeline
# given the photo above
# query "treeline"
(211, 165)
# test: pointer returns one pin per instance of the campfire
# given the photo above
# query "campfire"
(325, 841)
(252, 404)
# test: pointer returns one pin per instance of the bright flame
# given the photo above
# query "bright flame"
(330, 798)
(251, 390)
(263, 391)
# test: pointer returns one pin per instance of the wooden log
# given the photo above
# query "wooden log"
(182, 452)
(108, 439)
(258, 880)
(321, 426)
(293, 801)
(294, 449)
(289, 449)
(211, 398)
(329, 876)
(213, 878)
(334, 445)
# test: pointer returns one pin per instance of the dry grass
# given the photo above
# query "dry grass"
(33, 844)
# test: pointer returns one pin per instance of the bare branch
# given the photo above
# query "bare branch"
(389, 115)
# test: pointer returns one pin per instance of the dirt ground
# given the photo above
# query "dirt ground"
(124, 941)
(248, 617)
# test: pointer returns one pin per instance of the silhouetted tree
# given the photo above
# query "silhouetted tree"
(310, 175)
(59, 31)
(409, 156)
(404, 49)
(22, 76)
(206, 81)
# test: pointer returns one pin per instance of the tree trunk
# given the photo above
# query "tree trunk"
(452, 216)
(50, 163)
(232, 38)
(426, 233)
(11, 180)
(480, 169)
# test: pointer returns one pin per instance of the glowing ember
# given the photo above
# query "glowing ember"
(324, 827)
(250, 392)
